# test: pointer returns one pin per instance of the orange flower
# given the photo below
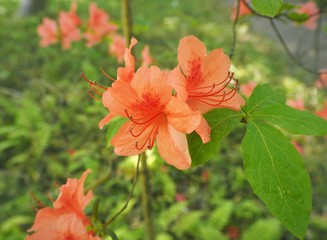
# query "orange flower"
(202, 81)
(51, 225)
(298, 104)
(72, 198)
(146, 57)
(247, 88)
(153, 114)
(244, 10)
(67, 219)
(68, 26)
(117, 47)
(322, 81)
(48, 32)
(323, 112)
(126, 73)
(98, 25)
(310, 8)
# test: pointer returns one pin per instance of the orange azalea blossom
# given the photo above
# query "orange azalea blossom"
(244, 10)
(202, 80)
(310, 8)
(50, 224)
(247, 88)
(154, 114)
(146, 56)
(298, 103)
(68, 26)
(67, 219)
(117, 47)
(323, 112)
(322, 81)
(98, 25)
(48, 32)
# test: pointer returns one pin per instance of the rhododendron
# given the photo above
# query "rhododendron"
(66, 220)
(154, 114)
(322, 81)
(202, 80)
(98, 25)
(68, 26)
(311, 9)
(117, 47)
(298, 104)
(48, 32)
(247, 88)
(243, 10)
(323, 112)
(146, 56)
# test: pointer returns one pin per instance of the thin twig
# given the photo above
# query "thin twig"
(232, 51)
(287, 50)
(129, 195)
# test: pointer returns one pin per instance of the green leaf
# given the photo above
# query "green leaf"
(222, 122)
(277, 175)
(113, 127)
(264, 96)
(293, 120)
(297, 17)
(263, 229)
(267, 7)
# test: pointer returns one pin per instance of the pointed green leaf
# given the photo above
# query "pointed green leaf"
(264, 96)
(293, 120)
(222, 122)
(113, 127)
(298, 17)
(267, 7)
(277, 175)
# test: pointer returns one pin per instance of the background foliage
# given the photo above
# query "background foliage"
(48, 126)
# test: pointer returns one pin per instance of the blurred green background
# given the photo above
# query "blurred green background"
(48, 125)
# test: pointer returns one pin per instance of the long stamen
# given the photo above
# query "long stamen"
(151, 137)
(106, 75)
(92, 83)
(137, 120)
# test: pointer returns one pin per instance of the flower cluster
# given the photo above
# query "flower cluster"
(98, 28)
(164, 106)
(66, 220)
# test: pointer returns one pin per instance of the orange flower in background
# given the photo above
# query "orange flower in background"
(67, 219)
(202, 80)
(117, 47)
(72, 198)
(310, 8)
(98, 25)
(322, 81)
(48, 32)
(154, 114)
(50, 224)
(244, 10)
(298, 104)
(126, 73)
(146, 56)
(68, 26)
(247, 88)
(323, 112)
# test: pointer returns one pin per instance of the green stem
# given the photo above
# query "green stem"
(146, 198)
(126, 20)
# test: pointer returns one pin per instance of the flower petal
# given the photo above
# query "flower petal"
(204, 130)
(172, 147)
(190, 49)
(181, 116)
(177, 80)
(105, 120)
(125, 143)
(215, 67)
